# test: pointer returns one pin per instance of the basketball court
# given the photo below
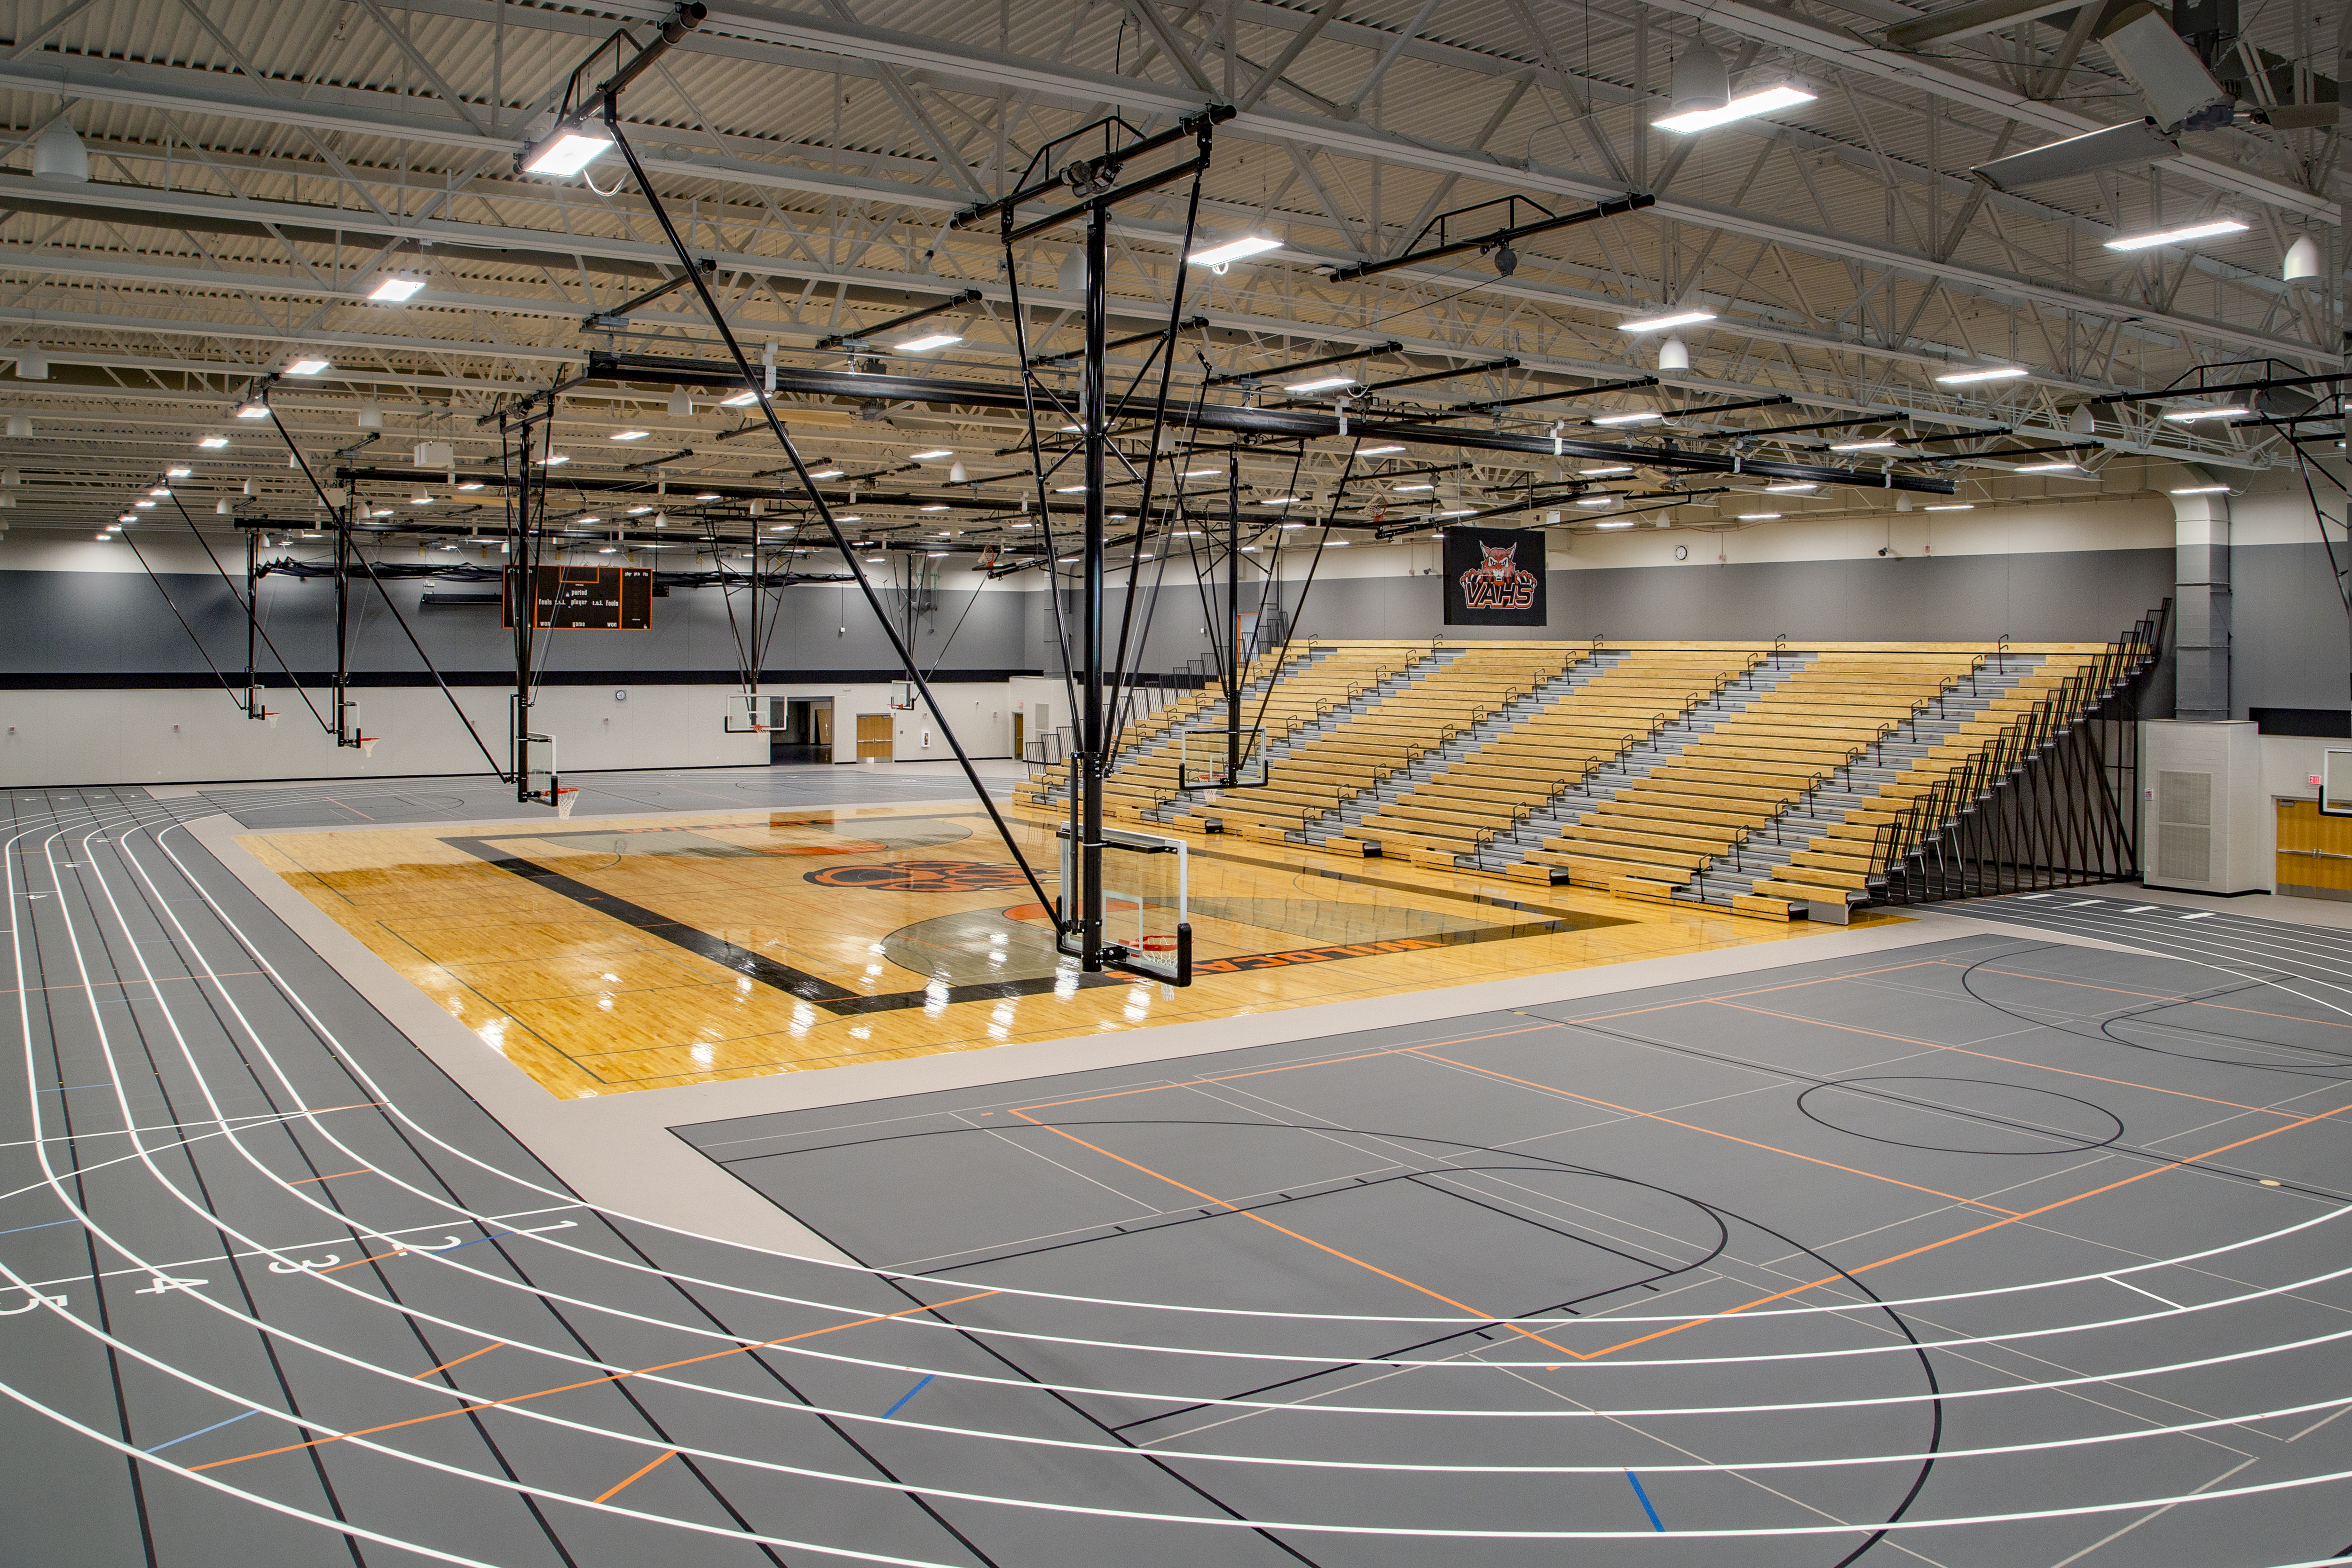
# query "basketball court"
(615, 954)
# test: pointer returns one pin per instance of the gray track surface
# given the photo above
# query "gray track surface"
(242, 1214)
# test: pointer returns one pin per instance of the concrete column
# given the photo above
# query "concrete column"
(2200, 604)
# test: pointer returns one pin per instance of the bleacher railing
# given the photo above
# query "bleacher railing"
(2048, 802)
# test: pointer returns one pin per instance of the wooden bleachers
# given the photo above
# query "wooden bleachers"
(1316, 777)
(1750, 767)
(1843, 857)
(1509, 777)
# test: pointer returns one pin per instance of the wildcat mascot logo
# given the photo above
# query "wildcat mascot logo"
(1498, 581)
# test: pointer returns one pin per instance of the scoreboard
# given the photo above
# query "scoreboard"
(585, 598)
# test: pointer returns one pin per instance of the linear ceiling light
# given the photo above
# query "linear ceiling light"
(740, 400)
(307, 367)
(2045, 468)
(1379, 451)
(1741, 108)
(396, 287)
(928, 341)
(1320, 384)
(2191, 415)
(1860, 446)
(1233, 250)
(1659, 323)
(627, 436)
(1760, 517)
(1795, 487)
(255, 410)
(1969, 378)
(213, 443)
(938, 452)
(1608, 472)
(1954, 506)
(1640, 416)
(2177, 236)
(2202, 490)
(1621, 523)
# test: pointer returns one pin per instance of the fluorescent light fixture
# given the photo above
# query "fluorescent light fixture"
(1794, 487)
(1201, 474)
(1448, 512)
(160, 490)
(1609, 471)
(2202, 490)
(849, 518)
(253, 411)
(307, 367)
(381, 512)
(927, 456)
(554, 460)
(1379, 451)
(1303, 525)
(1320, 384)
(1760, 517)
(628, 435)
(397, 286)
(1969, 378)
(1953, 507)
(471, 485)
(1408, 489)
(707, 496)
(581, 521)
(1279, 501)
(127, 516)
(934, 507)
(607, 550)
(1641, 416)
(740, 400)
(937, 553)
(2191, 415)
(420, 500)
(928, 341)
(1860, 446)
(2046, 468)
(1608, 500)
(1741, 108)
(1069, 490)
(1233, 250)
(639, 511)
(1621, 523)
(213, 443)
(1074, 430)
(2206, 230)
(178, 473)
(1660, 323)
(568, 154)
(142, 506)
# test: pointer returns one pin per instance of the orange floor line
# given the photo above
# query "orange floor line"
(461, 1360)
(1710, 1132)
(635, 1476)
(1345, 1258)
(1463, 1039)
(2152, 995)
(2009, 1216)
(337, 1176)
(586, 1382)
(2013, 1062)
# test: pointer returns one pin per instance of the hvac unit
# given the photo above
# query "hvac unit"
(2201, 808)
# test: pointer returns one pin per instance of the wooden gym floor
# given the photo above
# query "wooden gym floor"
(646, 952)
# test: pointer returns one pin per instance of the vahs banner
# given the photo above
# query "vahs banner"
(1494, 579)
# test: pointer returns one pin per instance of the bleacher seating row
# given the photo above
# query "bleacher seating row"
(1757, 777)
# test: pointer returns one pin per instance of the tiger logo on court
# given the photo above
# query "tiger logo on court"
(1498, 581)
(920, 876)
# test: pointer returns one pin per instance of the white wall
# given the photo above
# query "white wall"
(189, 736)
(979, 709)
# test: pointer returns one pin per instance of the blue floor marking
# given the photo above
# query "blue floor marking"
(202, 1430)
(43, 1226)
(907, 1395)
(1655, 1524)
